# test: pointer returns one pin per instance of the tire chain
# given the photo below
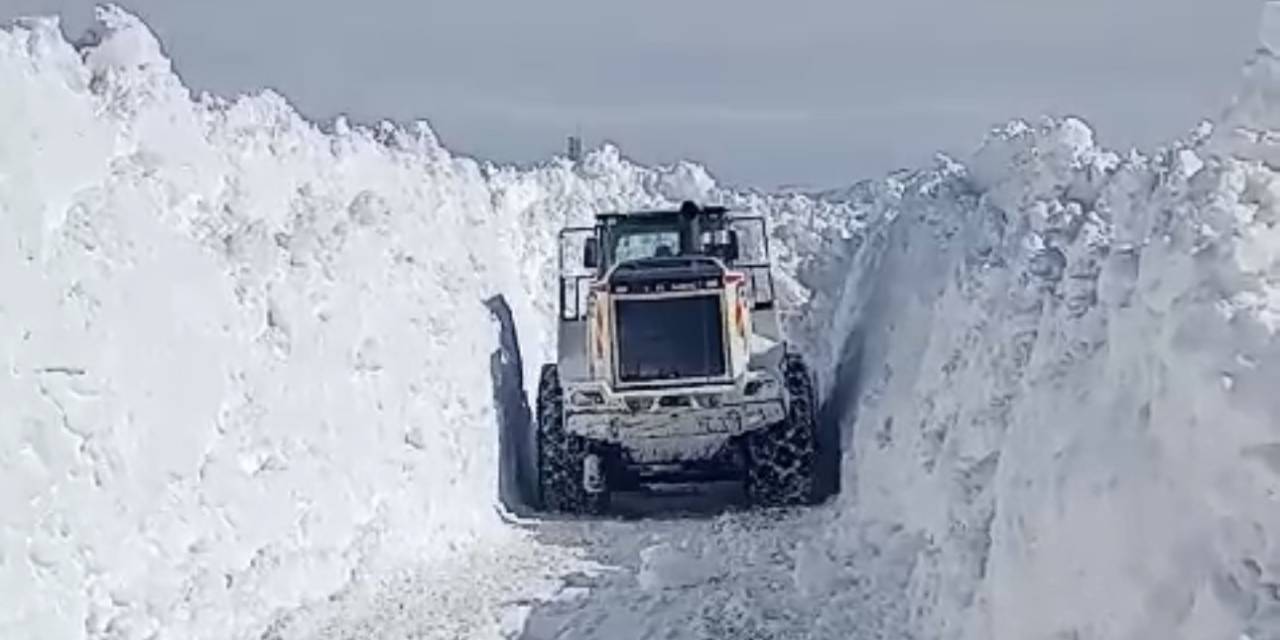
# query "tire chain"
(783, 456)
(560, 453)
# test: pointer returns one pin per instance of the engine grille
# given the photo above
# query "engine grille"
(670, 339)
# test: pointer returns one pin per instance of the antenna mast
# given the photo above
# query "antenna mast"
(575, 146)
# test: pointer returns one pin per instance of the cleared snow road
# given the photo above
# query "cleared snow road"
(761, 575)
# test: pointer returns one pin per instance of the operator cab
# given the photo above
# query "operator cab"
(653, 237)
(633, 250)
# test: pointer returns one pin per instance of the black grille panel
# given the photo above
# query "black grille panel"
(669, 339)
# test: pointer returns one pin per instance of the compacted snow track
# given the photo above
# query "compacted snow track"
(745, 575)
(253, 381)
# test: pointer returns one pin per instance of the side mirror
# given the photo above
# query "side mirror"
(591, 253)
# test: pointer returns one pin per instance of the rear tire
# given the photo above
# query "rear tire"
(781, 460)
(561, 455)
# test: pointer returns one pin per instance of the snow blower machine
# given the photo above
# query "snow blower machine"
(672, 369)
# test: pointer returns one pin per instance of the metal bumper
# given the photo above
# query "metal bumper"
(623, 427)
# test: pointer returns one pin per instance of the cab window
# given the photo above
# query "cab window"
(646, 243)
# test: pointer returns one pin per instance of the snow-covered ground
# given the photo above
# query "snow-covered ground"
(247, 388)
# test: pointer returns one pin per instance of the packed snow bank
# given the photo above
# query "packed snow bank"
(247, 360)
(1066, 368)
(240, 354)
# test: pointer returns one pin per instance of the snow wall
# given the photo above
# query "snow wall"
(247, 360)
(1066, 378)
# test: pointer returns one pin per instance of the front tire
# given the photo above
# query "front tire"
(781, 460)
(561, 455)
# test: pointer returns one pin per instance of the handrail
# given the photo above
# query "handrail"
(756, 269)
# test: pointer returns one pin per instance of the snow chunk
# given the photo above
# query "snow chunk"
(665, 566)
(1189, 164)
(124, 42)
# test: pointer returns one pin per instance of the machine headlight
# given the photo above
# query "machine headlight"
(586, 398)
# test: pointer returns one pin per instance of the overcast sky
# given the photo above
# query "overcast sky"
(766, 92)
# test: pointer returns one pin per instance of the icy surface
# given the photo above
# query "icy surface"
(246, 388)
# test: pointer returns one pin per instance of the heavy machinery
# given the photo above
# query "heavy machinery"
(672, 366)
